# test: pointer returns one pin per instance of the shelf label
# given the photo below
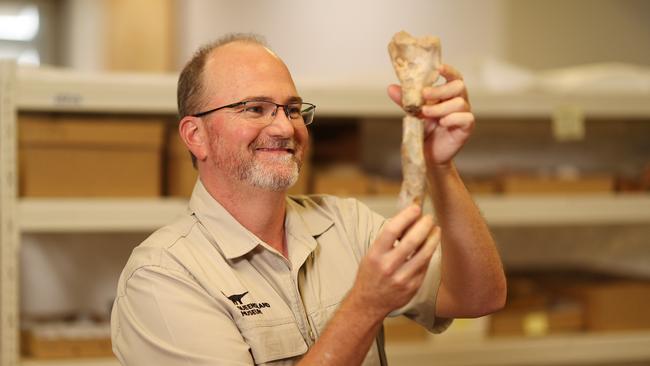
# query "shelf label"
(67, 100)
(568, 123)
(535, 324)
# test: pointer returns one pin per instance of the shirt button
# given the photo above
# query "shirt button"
(311, 335)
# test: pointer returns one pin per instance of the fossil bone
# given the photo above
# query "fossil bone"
(416, 62)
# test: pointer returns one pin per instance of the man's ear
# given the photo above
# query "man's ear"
(193, 133)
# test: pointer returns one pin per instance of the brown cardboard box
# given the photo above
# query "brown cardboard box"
(383, 186)
(181, 175)
(563, 317)
(534, 309)
(89, 156)
(481, 185)
(343, 180)
(515, 184)
(402, 329)
(619, 305)
(46, 348)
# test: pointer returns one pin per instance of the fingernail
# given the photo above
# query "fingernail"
(429, 110)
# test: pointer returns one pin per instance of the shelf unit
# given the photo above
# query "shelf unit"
(73, 362)
(78, 215)
(575, 350)
(29, 89)
(601, 349)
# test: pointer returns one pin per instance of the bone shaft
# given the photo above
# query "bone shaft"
(413, 188)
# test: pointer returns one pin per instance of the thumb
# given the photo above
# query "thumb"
(395, 93)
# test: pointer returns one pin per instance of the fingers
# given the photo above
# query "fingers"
(453, 87)
(463, 120)
(457, 104)
(395, 94)
(420, 260)
(434, 94)
(413, 239)
(449, 73)
(395, 227)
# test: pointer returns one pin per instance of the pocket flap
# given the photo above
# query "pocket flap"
(274, 342)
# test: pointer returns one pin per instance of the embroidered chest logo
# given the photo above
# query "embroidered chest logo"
(249, 309)
(236, 299)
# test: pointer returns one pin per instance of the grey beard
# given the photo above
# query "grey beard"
(259, 176)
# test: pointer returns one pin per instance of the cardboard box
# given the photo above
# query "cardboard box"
(610, 306)
(403, 329)
(65, 348)
(481, 185)
(534, 308)
(384, 187)
(181, 175)
(559, 318)
(66, 340)
(514, 184)
(463, 330)
(341, 180)
(89, 156)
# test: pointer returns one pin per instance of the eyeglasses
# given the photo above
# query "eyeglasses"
(263, 111)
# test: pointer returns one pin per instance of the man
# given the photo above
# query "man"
(250, 276)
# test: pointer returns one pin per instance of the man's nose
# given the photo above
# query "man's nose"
(281, 125)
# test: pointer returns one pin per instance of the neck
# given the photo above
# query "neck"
(260, 211)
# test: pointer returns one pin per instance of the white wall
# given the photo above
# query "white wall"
(82, 34)
(347, 40)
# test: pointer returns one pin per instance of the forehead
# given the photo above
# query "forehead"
(239, 70)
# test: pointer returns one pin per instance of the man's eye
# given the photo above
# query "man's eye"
(254, 109)
(294, 111)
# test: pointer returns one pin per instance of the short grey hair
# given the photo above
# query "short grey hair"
(190, 82)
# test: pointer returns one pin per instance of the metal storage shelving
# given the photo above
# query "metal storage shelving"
(48, 90)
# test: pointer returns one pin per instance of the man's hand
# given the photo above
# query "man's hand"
(394, 267)
(447, 115)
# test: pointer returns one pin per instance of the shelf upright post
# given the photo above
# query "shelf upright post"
(9, 234)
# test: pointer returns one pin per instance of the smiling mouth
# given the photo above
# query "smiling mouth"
(276, 150)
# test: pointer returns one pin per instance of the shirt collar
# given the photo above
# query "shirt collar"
(231, 237)
(303, 220)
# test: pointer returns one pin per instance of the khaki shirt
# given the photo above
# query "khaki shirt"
(206, 291)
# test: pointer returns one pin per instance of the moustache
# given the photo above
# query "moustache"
(289, 144)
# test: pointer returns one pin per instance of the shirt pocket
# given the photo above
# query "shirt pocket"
(274, 341)
(321, 317)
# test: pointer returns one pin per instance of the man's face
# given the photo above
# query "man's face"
(243, 151)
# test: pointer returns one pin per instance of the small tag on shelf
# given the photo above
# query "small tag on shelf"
(568, 123)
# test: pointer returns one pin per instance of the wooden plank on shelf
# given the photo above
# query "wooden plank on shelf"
(578, 349)
(547, 209)
(109, 215)
(71, 362)
(543, 104)
(584, 209)
(53, 89)
(59, 215)
(341, 99)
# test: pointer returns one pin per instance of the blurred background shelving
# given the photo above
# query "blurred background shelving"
(560, 171)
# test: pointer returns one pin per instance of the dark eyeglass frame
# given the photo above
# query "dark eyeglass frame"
(311, 107)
